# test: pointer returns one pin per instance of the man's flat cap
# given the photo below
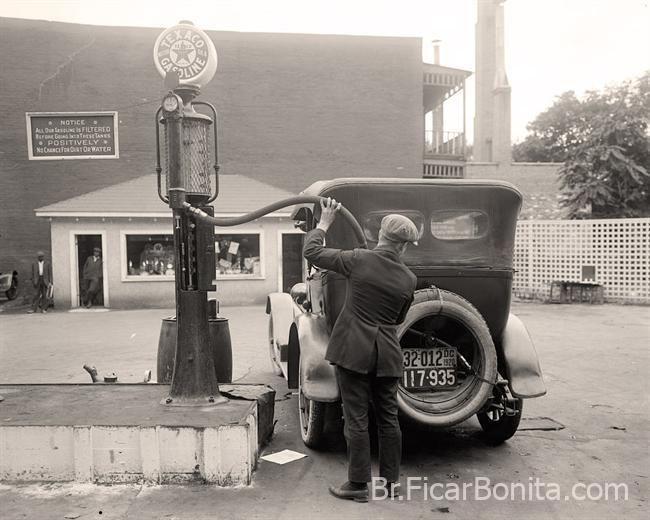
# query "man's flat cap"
(399, 228)
(40, 253)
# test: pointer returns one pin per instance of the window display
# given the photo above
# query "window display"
(238, 255)
(150, 255)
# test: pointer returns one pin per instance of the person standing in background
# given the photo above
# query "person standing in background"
(93, 274)
(41, 280)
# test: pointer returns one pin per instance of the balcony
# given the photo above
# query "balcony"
(443, 99)
(444, 154)
(451, 145)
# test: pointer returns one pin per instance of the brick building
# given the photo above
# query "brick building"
(293, 109)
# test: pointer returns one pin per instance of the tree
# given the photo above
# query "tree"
(553, 132)
(604, 144)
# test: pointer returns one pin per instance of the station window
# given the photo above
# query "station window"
(149, 255)
(459, 224)
(371, 222)
(238, 255)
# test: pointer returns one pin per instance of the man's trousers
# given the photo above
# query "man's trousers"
(357, 391)
(40, 297)
(93, 286)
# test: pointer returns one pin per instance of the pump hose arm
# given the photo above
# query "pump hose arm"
(291, 201)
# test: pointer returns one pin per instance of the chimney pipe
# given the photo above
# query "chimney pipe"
(436, 51)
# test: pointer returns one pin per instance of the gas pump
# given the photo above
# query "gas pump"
(185, 56)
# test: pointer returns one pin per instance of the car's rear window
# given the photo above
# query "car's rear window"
(371, 222)
(459, 224)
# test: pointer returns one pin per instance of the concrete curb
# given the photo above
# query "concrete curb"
(218, 445)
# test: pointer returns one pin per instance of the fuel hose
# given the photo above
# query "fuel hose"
(291, 201)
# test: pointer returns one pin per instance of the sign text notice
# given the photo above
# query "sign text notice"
(72, 135)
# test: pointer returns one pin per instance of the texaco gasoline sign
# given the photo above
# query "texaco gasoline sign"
(188, 51)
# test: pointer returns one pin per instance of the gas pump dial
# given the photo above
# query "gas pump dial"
(171, 102)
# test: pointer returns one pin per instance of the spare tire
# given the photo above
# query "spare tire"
(454, 322)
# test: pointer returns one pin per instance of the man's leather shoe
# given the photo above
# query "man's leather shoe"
(393, 489)
(349, 491)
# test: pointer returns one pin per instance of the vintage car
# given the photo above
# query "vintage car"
(464, 352)
(9, 284)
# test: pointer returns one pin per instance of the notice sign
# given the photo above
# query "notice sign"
(72, 135)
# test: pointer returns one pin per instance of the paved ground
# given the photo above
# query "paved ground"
(595, 360)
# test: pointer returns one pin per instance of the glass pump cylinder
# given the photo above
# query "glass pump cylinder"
(195, 159)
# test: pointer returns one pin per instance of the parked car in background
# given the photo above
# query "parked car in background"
(9, 284)
(464, 353)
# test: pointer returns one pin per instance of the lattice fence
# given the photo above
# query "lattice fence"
(612, 252)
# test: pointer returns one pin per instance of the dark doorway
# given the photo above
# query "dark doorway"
(85, 246)
(292, 261)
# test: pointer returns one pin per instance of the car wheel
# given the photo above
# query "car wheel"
(11, 293)
(497, 426)
(452, 320)
(274, 355)
(312, 419)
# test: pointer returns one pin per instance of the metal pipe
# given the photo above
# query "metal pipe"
(93, 373)
(298, 199)
(158, 167)
(464, 124)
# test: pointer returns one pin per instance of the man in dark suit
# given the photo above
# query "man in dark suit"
(41, 280)
(93, 274)
(364, 345)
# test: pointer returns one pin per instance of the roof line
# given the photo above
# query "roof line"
(141, 214)
(446, 69)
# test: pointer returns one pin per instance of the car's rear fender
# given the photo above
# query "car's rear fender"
(282, 309)
(308, 340)
(5, 282)
(521, 363)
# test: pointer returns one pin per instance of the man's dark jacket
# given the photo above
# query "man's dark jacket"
(380, 291)
(47, 273)
(93, 268)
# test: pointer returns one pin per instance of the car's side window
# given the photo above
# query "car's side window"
(459, 224)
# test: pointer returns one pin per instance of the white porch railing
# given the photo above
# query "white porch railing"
(444, 143)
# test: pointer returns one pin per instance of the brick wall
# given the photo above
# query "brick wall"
(293, 109)
(537, 182)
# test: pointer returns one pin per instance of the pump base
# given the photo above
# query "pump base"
(198, 402)
(120, 433)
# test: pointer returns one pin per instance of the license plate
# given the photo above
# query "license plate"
(429, 368)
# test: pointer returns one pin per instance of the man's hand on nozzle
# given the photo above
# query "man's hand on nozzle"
(328, 210)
